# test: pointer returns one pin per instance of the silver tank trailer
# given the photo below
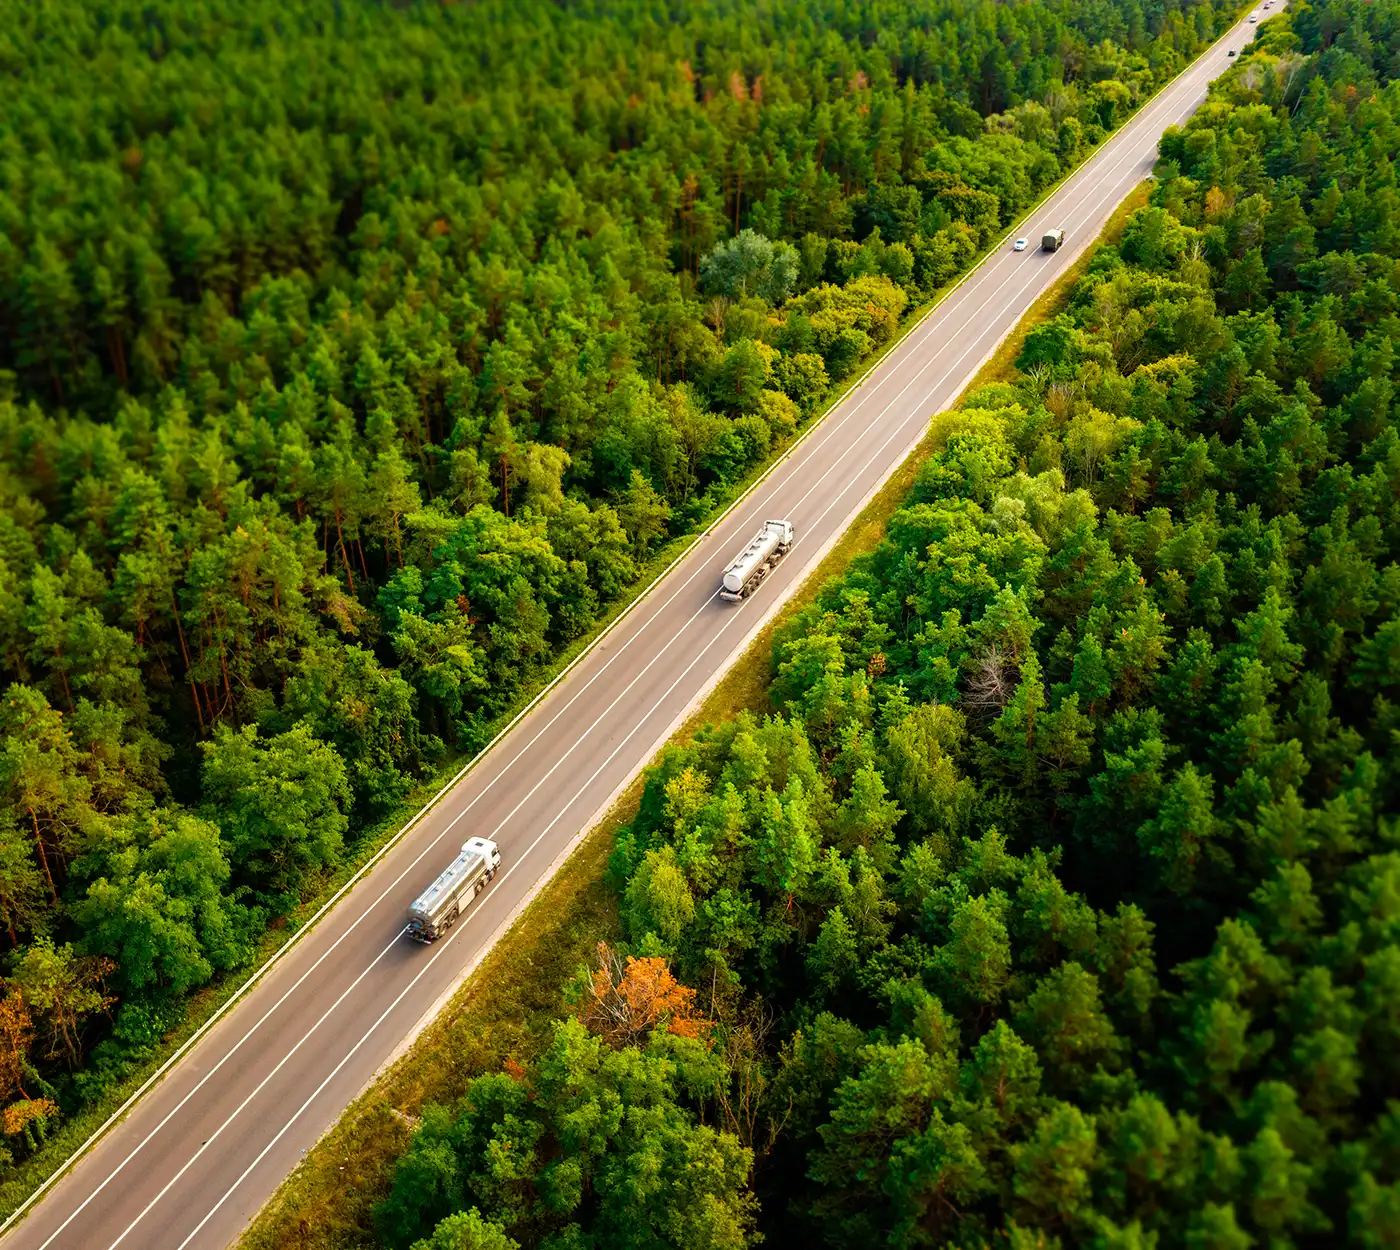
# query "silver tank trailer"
(435, 910)
(765, 549)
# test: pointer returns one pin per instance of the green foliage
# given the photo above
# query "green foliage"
(159, 907)
(1062, 879)
(353, 362)
(590, 1146)
(466, 1230)
(279, 802)
(749, 264)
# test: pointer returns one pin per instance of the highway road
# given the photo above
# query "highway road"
(196, 1158)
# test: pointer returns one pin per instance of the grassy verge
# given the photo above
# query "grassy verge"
(745, 685)
(22, 1180)
(1001, 367)
(506, 1009)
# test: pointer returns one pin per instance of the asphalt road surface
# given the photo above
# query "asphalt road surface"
(198, 1156)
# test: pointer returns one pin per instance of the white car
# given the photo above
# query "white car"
(1254, 17)
(1019, 245)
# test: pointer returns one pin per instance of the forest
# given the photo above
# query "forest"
(1057, 900)
(356, 358)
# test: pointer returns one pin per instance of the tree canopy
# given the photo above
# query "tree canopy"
(1055, 901)
(355, 359)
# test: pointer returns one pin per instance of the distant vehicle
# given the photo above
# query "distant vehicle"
(751, 566)
(1052, 240)
(1231, 52)
(1254, 17)
(1019, 245)
(437, 908)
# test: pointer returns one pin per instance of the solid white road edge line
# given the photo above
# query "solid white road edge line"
(233, 1115)
(1160, 99)
(562, 857)
(916, 417)
(834, 428)
(436, 955)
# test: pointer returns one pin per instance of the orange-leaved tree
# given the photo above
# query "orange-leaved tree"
(628, 998)
(16, 1037)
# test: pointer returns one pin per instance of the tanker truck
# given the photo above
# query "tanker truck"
(767, 547)
(437, 908)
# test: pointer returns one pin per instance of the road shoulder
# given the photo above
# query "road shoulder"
(503, 1011)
